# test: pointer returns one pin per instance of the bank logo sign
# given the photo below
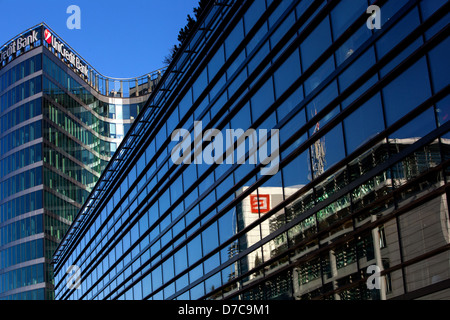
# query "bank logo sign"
(48, 36)
(65, 53)
(14, 48)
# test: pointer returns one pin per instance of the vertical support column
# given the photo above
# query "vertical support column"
(149, 84)
(334, 272)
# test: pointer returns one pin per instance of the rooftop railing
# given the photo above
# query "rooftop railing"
(107, 86)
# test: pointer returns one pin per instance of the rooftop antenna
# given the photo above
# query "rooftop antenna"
(318, 152)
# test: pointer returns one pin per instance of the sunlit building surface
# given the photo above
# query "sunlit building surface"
(361, 185)
(61, 121)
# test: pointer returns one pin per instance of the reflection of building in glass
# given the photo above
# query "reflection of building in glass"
(59, 128)
(248, 212)
(378, 247)
(376, 194)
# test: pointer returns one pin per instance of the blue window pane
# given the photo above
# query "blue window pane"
(316, 43)
(287, 73)
(398, 32)
(262, 99)
(319, 75)
(322, 99)
(216, 62)
(157, 277)
(297, 173)
(253, 13)
(210, 238)
(327, 151)
(234, 39)
(389, 9)
(352, 44)
(200, 84)
(357, 69)
(345, 13)
(440, 65)
(290, 103)
(402, 95)
(418, 127)
(364, 123)
(180, 260)
(168, 272)
(400, 57)
(194, 250)
(429, 7)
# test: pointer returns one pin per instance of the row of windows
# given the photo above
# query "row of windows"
(299, 175)
(20, 205)
(83, 155)
(103, 109)
(66, 81)
(75, 149)
(55, 227)
(20, 92)
(22, 277)
(187, 103)
(22, 252)
(104, 128)
(341, 144)
(164, 203)
(74, 128)
(324, 224)
(64, 186)
(19, 72)
(61, 207)
(20, 159)
(38, 294)
(21, 136)
(21, 229)
(20, 182)
(70, 168)
(20, 114)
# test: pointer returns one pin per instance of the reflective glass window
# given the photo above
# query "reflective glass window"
(364, 123)
(315, 44)
(440, 64)
(345, 13)
(262, 99)
(287, 73)
(403, 95)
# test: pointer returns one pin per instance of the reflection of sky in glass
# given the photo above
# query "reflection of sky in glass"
(402, 95)
(418, 127)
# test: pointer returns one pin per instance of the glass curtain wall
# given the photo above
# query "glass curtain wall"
(362, 180)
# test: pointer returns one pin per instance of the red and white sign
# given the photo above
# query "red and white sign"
(48, 36)
(259, 203)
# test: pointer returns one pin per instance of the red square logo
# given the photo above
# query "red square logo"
(261, 202)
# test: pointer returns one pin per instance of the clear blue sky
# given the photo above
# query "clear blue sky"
(119, 38)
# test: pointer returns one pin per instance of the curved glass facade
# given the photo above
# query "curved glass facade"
(362, 180)
(58, 132)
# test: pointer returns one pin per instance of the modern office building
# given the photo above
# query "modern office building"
(61, 121)
(352, 202)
